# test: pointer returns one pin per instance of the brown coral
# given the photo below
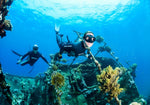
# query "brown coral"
(109, 82)
(57, 79)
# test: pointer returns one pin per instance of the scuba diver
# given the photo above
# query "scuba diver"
(76, 48)
(33, 56)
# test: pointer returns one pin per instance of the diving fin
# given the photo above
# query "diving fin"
(16, 53)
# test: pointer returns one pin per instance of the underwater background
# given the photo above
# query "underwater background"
(124, 25)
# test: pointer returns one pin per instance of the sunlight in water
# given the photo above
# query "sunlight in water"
(62, 9)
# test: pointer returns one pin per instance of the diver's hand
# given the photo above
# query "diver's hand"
(57, 28)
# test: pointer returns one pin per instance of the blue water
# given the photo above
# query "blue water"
(124, 24)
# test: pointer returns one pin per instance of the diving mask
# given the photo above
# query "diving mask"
(89, 38)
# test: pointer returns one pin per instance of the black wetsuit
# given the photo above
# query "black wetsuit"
(32, 58)
(73, 49)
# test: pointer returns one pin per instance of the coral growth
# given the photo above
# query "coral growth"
(57, 80)
(99, 39)
(64, 60)
(108, 49)
(39, 89)
(109, 82)
(54, 67)
(4, 88)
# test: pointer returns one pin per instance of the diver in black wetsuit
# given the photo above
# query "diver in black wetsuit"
(33, 56)
(77, 48)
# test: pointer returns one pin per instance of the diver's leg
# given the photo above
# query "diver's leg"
(24, 62)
